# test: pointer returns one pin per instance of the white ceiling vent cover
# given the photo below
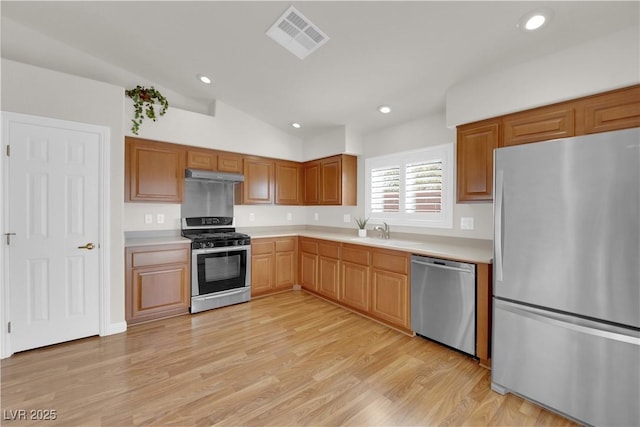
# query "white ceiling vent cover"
(296, 33)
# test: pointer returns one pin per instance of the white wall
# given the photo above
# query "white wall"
(325, 144)
(422, 133)
(41, 92)
(597, 66)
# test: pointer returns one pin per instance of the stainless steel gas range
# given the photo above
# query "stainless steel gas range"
(220, 262)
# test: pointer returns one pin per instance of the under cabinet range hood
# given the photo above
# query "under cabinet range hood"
(208, 193)
(213, 176)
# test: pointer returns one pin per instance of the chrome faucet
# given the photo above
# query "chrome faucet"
(384, 231)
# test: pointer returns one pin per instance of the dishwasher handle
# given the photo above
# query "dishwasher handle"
(444, 267)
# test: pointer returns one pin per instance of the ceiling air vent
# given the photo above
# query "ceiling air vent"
(296, 33)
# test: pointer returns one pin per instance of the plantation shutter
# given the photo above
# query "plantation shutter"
(423, 187)
(385, 189)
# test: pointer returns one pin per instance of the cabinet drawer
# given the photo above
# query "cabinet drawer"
(160, 256)
(397, 262)
(261, 247)
(285, 245)
(329, 250)
(356, 255)
(309, 246)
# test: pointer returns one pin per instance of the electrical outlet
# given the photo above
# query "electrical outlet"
(466, 223)
(316, 216)
(289, 216)
(347, 218)
(160, 218)
(148, 219)
(252, 217)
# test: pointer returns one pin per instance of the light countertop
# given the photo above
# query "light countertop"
(455, 248)
(150, 238)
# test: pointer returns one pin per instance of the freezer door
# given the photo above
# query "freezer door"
(586, 370)
(567, 225)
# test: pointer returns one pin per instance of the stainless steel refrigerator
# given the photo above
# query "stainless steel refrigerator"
(566, 306)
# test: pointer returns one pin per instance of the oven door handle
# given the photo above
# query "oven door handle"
(220, 249)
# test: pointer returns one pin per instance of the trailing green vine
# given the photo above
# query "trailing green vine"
(143, 101)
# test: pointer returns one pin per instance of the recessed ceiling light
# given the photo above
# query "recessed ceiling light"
(384, 109)
(204, 79)
(534, 20)
(296, 125)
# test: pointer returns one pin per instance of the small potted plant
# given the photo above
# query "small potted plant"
(143, 102)
(362, 223)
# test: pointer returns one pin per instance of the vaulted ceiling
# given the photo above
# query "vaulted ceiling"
(403, 54)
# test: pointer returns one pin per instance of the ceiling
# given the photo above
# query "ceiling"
(403, 54)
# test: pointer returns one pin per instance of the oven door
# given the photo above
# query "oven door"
(217, 270)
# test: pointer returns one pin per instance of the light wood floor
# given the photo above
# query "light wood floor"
(284, 360)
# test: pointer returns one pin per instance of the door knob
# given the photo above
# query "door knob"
(88, 246)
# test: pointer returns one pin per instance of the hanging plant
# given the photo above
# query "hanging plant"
(143, 101)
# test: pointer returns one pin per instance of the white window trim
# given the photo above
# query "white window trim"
(444, 219)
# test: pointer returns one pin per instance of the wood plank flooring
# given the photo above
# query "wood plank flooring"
(289, 359)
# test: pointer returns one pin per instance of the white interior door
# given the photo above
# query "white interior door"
(54, 211)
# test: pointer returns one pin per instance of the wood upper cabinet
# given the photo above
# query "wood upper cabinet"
(202, 159)
(390, 287)
(331, 181)
(273, 264)
(230, 162)
(474, 160)
(355, 276)
(257, 187)
(540, 124)
(288, 183)
(157, 282)
(615, 110)
(154, 171)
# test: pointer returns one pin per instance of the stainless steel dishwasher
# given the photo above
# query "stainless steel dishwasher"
(443, 302)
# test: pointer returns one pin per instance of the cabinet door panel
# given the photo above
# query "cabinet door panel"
(475, 145)
(258, 182)
(390, 297)
(331, 182)
(229, 162)
(309, 271)
(354, 285)
(154, 172)
(262, 272)
(205, 160)
(328, 277)
(539, 125)
(288, 183)
(312, 183)
(612, 111)
(158, 292)
(285, 269)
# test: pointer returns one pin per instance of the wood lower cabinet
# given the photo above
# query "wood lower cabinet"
(154, 171)
(157, 282)
(355, 276)
(309, 264)
(390, 291)
(273, 264)
(474, 160)
(328, 269)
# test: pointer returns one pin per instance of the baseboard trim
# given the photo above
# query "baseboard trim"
(115, 328)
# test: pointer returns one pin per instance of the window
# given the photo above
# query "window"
(411, 188)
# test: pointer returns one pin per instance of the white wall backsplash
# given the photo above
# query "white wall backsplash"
(135, 215)
(596, 66)
(272, 215)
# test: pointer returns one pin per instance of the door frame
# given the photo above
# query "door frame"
(104, 220)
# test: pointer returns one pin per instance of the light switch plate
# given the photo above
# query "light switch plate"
(289, 216)
(160, 218)
(316, 216)
(252, 217)
(347, 218)
(148, 218)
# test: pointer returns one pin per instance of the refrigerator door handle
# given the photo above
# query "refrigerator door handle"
(556, 320)
(499, 237)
